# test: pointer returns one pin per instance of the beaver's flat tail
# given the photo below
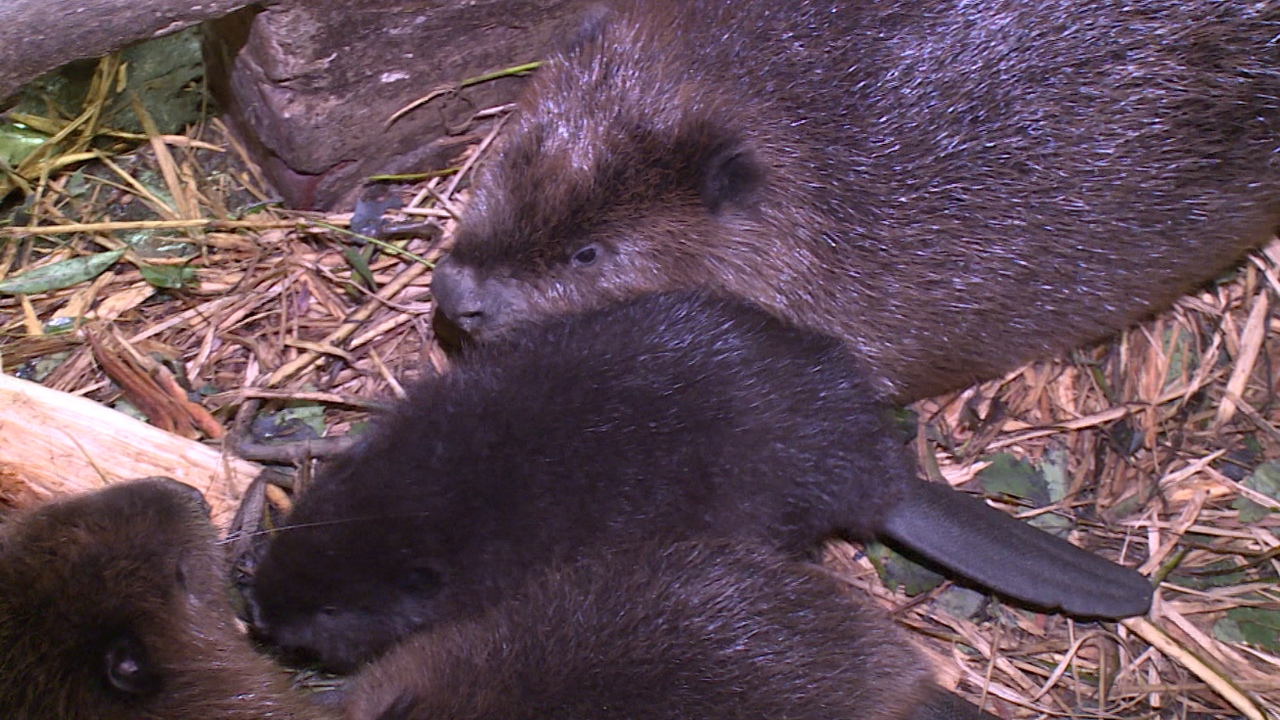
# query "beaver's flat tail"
(965, 535)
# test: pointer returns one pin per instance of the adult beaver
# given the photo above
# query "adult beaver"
(114, 605)
(953, 188)
(669, 416)
(692, 630)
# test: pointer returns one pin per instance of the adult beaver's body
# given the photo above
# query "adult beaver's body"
(693, 631)
(115, 606)
(951, 187)
(666, 417)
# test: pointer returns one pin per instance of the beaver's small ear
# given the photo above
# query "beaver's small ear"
(731, 178)
(128, 667)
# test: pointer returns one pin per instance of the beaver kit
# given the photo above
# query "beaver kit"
(953, 188)
(671, 416)
(116, 605)
(713, 630)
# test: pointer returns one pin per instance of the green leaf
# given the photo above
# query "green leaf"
(61, 274)
(1266, 480)
(904, 423)
(1256, 626)
(167, 276)
(1223, 573)
(39, 368)
(129, 409)
(961, 602)
(1054, 470)
(60, 325)
(76, 185)
(1007, 475)
(17, 142)
(300, 421)
(360, 264)
(1250, 512)
(898, 572)
(1054, 473)
(308, 414)
(1179, 343)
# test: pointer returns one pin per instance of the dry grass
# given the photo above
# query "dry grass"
(1147, 426)
(1140, 430)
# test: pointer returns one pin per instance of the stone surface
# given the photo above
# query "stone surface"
(310, 85)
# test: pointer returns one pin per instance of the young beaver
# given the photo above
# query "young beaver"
(115, 605)
(667, 416)
(953, 188)
(705, 631)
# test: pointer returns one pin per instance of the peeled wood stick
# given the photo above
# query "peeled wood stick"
(56, 443)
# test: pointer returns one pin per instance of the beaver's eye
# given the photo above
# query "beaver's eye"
(128, 668)
(586, 256)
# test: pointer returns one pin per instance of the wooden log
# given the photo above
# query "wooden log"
(37, 36)
(54, 443)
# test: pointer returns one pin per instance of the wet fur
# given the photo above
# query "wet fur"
(713, 631)
(665, 417)
(611, 427)
(115, 606)
(952, 188)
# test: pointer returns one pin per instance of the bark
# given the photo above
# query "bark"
(53, 443)
(37, 36)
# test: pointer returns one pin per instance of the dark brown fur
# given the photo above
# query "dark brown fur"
(953, 188)
(114, 605)
(663, 417)
(712, 631)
